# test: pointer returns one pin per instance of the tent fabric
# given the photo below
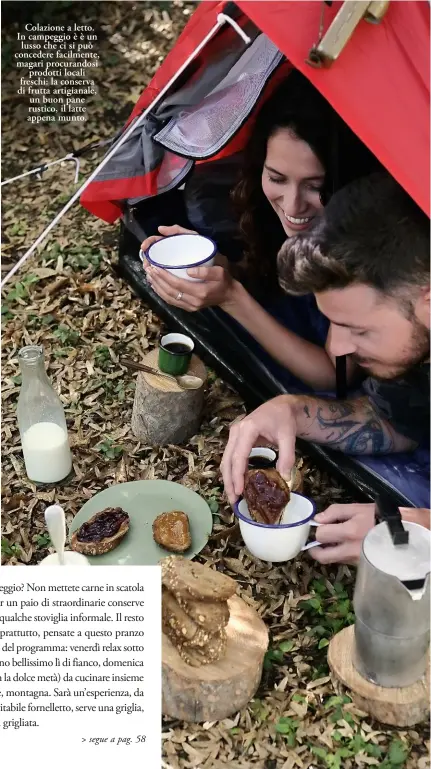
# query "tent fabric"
(379, 84)
(105, 195)
(144, 166)
(207, 127)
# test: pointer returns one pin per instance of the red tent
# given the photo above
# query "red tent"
(379, 84)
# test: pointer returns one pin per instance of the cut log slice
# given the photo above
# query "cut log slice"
(405, 706)
(163, 412)
(216, 691)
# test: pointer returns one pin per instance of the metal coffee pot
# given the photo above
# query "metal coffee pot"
(392, 601)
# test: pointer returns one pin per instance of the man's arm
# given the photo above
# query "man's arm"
(351, 426)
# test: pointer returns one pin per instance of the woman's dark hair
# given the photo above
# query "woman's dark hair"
(296, 104)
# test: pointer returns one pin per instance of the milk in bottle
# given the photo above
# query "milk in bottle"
(41, 421)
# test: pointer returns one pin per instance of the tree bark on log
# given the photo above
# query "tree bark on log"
(163, 413)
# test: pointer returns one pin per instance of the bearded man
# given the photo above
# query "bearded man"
(367, 262)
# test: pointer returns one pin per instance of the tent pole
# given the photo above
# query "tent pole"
(40, 169)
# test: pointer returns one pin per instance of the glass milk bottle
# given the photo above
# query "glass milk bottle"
(41, 421)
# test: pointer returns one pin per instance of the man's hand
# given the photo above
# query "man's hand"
(343, 528)
(273, 423)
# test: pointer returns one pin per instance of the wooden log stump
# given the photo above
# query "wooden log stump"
(163, 412)
(404, 706)
(216, 691)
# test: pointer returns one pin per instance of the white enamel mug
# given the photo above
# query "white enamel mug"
(179, 253)
(283, 541)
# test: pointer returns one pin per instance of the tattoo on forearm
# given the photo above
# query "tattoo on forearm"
(351, 427)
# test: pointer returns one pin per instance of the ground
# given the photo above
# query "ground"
(69, 299)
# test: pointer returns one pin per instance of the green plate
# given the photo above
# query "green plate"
(144, 501)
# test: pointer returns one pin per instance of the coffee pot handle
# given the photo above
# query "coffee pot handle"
(387, 511)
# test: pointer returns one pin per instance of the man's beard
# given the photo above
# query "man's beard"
(418, 352)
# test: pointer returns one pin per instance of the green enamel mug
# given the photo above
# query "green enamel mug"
(175, 353)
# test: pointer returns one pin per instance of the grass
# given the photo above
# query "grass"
(102, 357)
(327, 612)
(9, 549)
(21, 289)
(394, 757)
(67, 335)
(109, 449)
(288, 728)
(43, 540)
(82, 258)
(39, 321)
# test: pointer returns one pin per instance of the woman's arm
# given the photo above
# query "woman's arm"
(307, 361)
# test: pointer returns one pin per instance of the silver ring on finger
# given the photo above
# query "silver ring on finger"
(179, 296)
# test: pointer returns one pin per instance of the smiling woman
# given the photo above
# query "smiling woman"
(290, 168)
(292, 181)
(300, 152)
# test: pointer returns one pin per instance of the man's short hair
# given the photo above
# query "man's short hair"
(371, 232)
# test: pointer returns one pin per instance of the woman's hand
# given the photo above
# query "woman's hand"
(213, 291)
(216, 288)
(165, 232)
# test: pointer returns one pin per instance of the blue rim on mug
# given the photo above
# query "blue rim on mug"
(277, 525)
(179, 266)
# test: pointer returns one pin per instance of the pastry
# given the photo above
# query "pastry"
(102, 532)
(179, 625)
(194, 609)
(212, 616)
(212, 651)
(266, 494)
(197, 656)
(189, 579)
(172, 531)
